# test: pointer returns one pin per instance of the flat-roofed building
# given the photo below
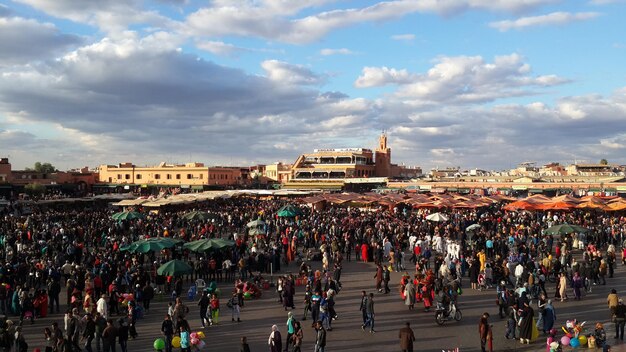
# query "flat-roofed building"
(190, 174)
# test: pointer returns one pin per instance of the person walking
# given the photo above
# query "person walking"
(297, 337)
(275, 340)
(320, 337)
(203, 303)
(185, 340)
(406, 337)
(620, 319)
(109, 335)
(291, 329)
(379, 277)
(526, 324)
(549, 317)
(562, 287)
(612, 300)
(369, 310)
(483, 331)
(215, 310)
(244, 345)
(89, 332)
(73, 329)
(101, 324)
(386, 279)
(409, 294)
(233, 304)
(167, 329)
(122, 334)
(363, 306)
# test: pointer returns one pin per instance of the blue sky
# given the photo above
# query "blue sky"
(470, 83)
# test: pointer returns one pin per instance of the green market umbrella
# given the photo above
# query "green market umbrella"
(199, 216)
(565, 229)
(174, 268)
(150, 245)
(289, 211)
(127, 215)
(208, 244)
(256, 223)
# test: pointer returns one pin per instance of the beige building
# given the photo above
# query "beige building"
(187, 175)
(278, 172)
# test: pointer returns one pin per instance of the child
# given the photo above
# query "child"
(170, 309)
(244, 345)
(511, 323)
(489, 275)
(600, 337)
(550, 340)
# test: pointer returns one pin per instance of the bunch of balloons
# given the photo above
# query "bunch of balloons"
(196, 339)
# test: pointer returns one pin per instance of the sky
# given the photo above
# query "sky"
(471, 83)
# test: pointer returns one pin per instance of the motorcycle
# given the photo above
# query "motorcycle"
(442, 314)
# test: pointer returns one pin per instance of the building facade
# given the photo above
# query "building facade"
(195, 175)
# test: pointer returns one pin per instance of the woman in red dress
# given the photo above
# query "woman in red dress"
(364, 252)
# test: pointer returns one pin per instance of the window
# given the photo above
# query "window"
(169, 176)
(127, 176)
(138, 176)
(201, 176)
(157, 176)
(110, 179)
(178, 176)
(119, 176)
(189, 176)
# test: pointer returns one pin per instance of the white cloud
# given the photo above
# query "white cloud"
(381, 76)
(281, 23)
(285, 73)
(220, 48)
(554, 18)
(23, 40)
(164, 102)
(607, 2)
(342, 51)
(112, 16)
(470, 79)
(405, 37)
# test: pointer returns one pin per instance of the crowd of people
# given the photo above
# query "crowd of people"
(76, 254)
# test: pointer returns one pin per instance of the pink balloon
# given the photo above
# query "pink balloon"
(565, 341)
(195, 341)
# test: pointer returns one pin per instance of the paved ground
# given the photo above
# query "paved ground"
(391, 314)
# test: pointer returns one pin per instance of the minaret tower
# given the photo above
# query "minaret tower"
(383, 157)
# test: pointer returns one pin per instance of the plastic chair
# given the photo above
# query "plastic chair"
(200, 285)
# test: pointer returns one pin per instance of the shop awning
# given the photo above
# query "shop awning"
(535, 190)
(520, 188)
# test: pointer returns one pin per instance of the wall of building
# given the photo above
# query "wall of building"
(5, 170)
(194, 174)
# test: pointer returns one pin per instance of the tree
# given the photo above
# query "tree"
(604, 162)
(45, 168)
(34, 189)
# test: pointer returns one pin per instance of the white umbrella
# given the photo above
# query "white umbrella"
(438, 217)
(472, 227)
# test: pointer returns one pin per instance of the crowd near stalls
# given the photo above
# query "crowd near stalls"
(108, 266)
